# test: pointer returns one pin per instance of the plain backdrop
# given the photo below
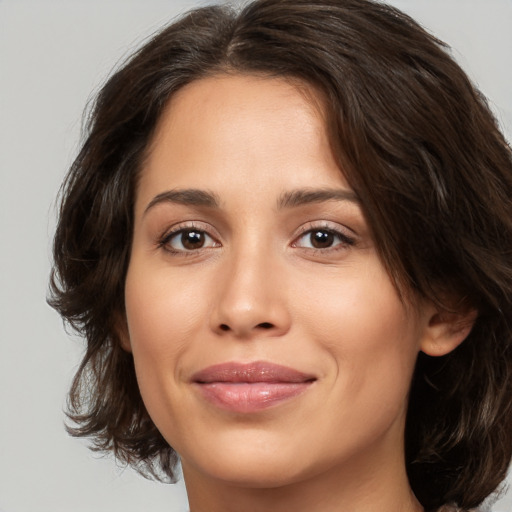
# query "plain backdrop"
(53, 56)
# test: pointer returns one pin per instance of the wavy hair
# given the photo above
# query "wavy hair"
(420, 147)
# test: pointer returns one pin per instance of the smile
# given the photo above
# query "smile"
(252, 387)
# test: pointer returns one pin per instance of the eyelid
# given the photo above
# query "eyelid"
(175, 229)
(346, 235)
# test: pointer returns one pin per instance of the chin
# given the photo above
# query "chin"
(255, 462)
(256, 474)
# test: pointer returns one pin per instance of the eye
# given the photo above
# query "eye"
(323, 238)
(188, 239)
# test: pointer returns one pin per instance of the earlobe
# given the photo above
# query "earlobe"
(446, 330)
(121, 330)
(124, 341)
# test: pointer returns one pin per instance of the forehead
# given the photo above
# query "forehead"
(229, 105)
(227, 128)
(227, 92)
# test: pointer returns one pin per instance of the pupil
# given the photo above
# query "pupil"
(192, 239)
(321, 239)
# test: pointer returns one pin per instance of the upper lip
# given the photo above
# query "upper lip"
(258, 371)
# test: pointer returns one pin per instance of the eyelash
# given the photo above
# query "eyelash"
(344, 240)
(167, 237)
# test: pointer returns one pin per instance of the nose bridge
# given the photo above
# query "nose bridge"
(251, 298)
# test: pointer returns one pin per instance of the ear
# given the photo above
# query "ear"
(123, 334)
(446, 330)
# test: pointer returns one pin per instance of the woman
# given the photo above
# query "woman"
(287, 242)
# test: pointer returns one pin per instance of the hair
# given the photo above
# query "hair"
(419, 146)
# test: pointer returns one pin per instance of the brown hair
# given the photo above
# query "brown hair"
(418, 145)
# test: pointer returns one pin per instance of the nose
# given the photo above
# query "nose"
(251, 299)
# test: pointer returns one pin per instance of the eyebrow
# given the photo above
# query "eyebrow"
(301, 197)
(189, 196)
(291, 199)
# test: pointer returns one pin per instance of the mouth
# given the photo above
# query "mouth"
(250, 387)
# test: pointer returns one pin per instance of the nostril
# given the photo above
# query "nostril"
(262, 325)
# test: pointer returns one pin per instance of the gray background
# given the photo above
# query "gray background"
(53, 55)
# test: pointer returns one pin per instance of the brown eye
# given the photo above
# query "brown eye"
(186, 240)
(321, 239)
(191, 239)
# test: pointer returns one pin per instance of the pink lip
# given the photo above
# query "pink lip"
(250, 387)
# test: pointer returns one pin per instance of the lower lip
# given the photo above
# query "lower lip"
(245, 397)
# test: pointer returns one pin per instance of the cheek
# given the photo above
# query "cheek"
(163, 314)
(372, 340)
(155, 309)
(357, 310)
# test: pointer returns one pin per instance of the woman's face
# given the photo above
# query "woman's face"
(270, 345)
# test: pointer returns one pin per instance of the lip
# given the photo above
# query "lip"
(250, 387)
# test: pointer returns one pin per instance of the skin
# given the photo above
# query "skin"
(258, 289)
